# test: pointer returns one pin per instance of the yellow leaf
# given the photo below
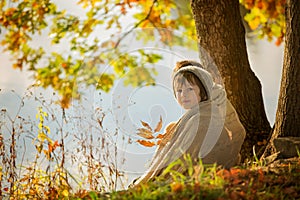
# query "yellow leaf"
(106, 82)
(65, 193)
(254, 23)
(39, 148)
(40, 126)
(42, 136)
(47, 153)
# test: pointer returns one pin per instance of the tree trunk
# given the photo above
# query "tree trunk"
(287, 123)
(222, 35)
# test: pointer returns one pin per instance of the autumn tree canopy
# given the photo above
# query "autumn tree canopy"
(24, 21)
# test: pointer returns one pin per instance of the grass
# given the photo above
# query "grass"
(279, 180)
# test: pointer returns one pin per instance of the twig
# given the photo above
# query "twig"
(136, 25)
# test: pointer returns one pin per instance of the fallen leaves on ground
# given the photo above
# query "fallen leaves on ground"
(275, 181)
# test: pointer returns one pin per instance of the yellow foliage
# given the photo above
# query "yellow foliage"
(266, 17)
(254, 23)
(65, 193)
(42, 136)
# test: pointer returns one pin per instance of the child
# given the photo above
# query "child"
(209, 130)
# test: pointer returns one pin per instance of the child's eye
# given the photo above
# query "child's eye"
(179, 91)
(190, 89)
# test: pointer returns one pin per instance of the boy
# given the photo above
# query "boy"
(209, 129)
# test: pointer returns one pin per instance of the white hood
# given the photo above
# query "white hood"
(215, 92)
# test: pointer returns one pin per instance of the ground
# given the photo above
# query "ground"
(279, 179)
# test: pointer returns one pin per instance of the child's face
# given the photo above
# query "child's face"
(187, 94)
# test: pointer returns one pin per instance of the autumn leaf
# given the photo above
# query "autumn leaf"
(47, 154)
(39, 148)
(145, 133)
(42, 137)
(235, 171)
(170, 126)
(264, 142)
(160, 136)
(159, 125)
(65, 102)
(123, 9)
(105, 82)
(261, 176)
(65, 193)
(146, 143)
(146, 125)
(158, 142)
(279, 41)
(52, 147)
(176, 187)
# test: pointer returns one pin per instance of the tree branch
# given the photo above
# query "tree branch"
(136, 25)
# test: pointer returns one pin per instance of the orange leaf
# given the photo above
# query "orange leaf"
(264, 142)
(160, 136)
(235, 171)
(50, 148)
(159, 125)
(123, 9)
(65, 65)
(56, 144)
(65, 102)
(146, 125)
(146, 143)
(145, 133)
(176, 187)
(224, 173)
(278, 41)
(261, 176)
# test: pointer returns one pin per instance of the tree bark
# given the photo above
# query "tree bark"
(287, 122)
(222, 35)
